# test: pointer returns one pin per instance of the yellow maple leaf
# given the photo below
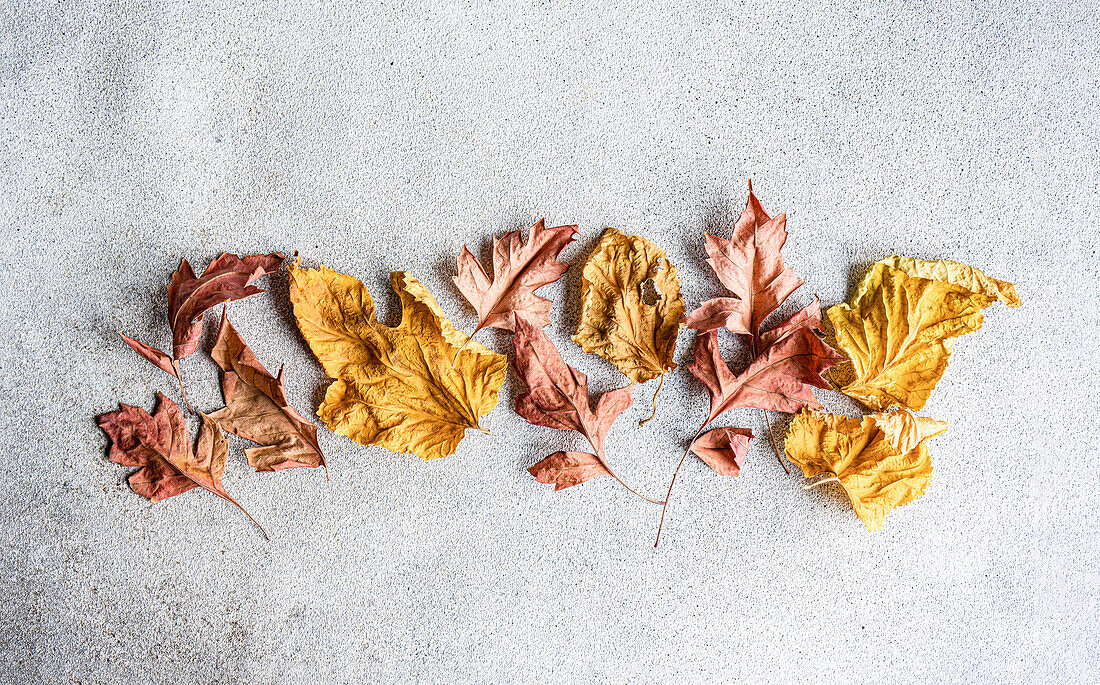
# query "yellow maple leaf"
(881, 461)
(394, 387)
(631, 306)
(900, 326)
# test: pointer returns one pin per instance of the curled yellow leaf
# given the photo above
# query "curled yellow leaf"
(394, 387)
(881, 461)
(899, 328)
(631, 306)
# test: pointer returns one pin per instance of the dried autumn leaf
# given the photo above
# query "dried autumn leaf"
(519, 270)
(395, 387)
(958, 274)
(780, 379)
(750, 265)
(161, 360)
(617, 323)
(557, 397)
(807, 317)
(899, 329)
(226, 278)
(723, 449)
(160, 445)
(256, 408)
(566, 469)
(881, 461)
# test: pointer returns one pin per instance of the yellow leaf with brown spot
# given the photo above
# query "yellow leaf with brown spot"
(395, 387)
(881, 461)
(900, 326)
(631, 306)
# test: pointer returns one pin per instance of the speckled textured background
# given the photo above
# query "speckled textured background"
(385, 135)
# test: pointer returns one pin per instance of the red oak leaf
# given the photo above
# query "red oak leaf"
(519, 270)
(723, 449)
(227, 278)
(557, 397)
(751, 266)
(256, 408)
(780, 379)
(160, 445)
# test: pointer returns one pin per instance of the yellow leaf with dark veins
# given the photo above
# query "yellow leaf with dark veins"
(899, 328)
(881, 461)
(395, 387)
(631, 306)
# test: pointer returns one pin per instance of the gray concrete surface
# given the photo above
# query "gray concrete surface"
(385, 135)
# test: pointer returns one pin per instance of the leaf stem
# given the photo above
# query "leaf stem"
(179, 377)
(775, 445)
(664, 506)
(820, 482)
(468, 339)
(654, 413)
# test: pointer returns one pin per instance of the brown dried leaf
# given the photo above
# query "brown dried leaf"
(226, 278)
(159, 444)
(518, 271)
(616, 322)
(723, 449)
(566, 469)
(557, 397)
(257, 409)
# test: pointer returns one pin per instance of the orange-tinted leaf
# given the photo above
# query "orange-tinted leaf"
(160, 445)
(519, 270)
(566, 469)
(161, 360)
(227, 278)
(780, 379)
(256, 408)
(723, 449)
(750, 265)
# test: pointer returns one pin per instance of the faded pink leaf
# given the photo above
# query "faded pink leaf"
(566, 469)
(723, 449)
(519, 270)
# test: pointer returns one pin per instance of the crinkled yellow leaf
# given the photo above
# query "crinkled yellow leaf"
(881, 461)
(958, 274)
(394, 387)
(899, 328)
(631, 306)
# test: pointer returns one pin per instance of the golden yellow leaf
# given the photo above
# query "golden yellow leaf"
(631, 306)
(957, 274)
(901, 324)
(881, 461)
(394, 387)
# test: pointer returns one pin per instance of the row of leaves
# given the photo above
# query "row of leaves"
(417, 387)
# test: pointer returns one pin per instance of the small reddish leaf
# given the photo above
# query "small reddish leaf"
(257, 409)
(557, 397)
(751, 266)
(227, 278)
(723, 449)
(557, 394)
(518, 271)
(566, 469)
(160, 445)
(780, 379)
(161, 360)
